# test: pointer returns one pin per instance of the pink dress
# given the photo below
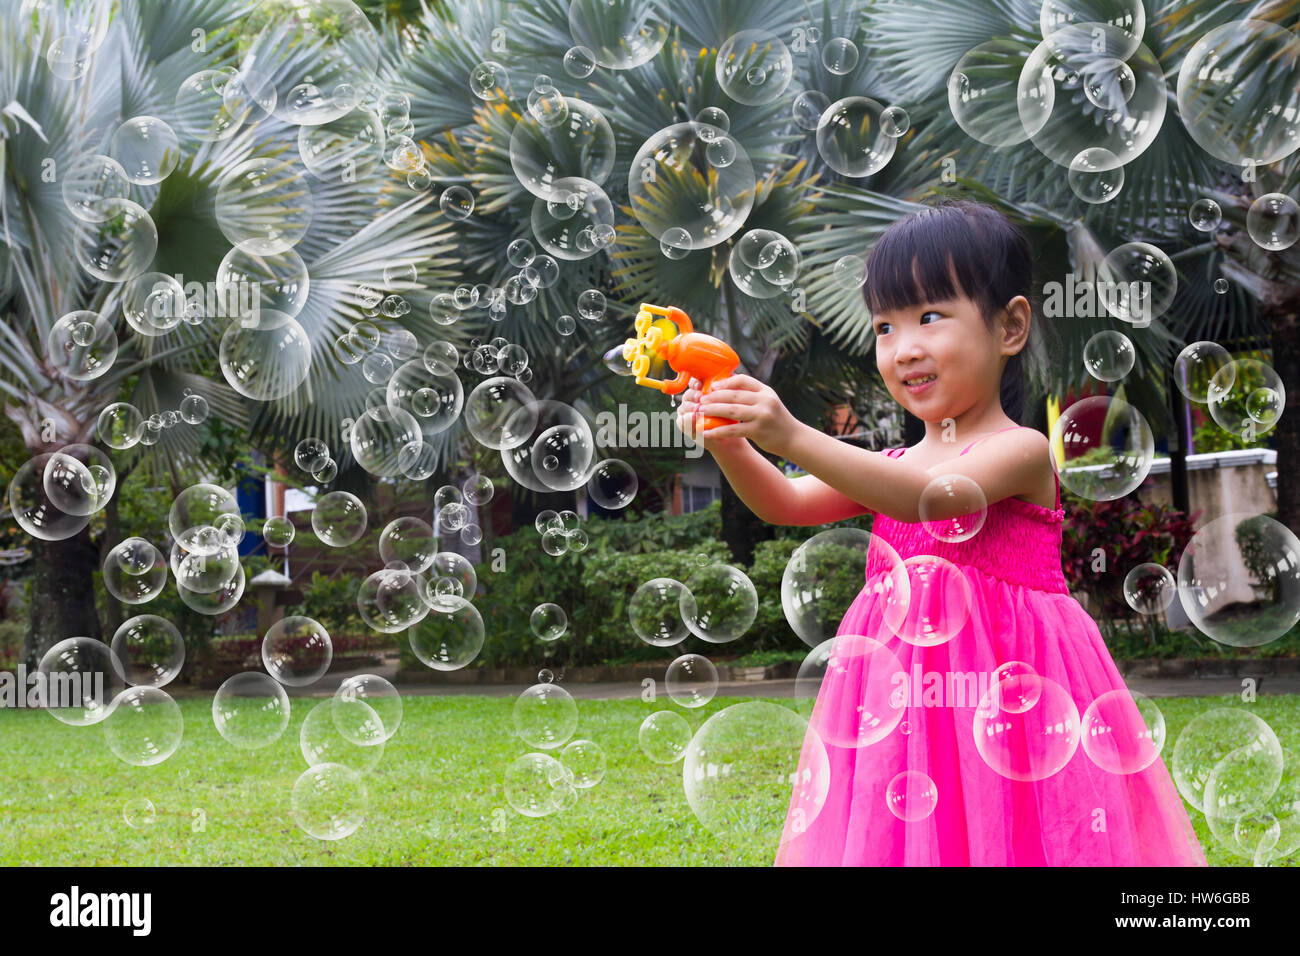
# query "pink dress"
(1049, 803)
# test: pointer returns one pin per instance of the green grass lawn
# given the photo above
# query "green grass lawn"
(436, 798)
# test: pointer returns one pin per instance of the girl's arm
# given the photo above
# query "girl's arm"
(776, 499)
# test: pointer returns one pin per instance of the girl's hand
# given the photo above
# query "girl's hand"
(687, 413)
(757, 410)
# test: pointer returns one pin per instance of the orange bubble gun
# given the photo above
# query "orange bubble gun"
(689, 353)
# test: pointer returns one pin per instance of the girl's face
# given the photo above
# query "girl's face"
(947, 340)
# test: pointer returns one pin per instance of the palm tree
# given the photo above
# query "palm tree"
(48, 123)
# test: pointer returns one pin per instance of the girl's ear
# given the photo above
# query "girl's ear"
(1015, 325)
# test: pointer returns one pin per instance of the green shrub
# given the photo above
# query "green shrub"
(333, 602)
(11, 643)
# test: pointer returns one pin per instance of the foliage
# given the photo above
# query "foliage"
(333, 602)
(1258, 540)
(11, 643)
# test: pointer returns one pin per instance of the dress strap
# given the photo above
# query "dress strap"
(990, 435)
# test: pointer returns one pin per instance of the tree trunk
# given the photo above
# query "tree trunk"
(114, 613)
(741, 528)
(62, 600)
(1284, 325)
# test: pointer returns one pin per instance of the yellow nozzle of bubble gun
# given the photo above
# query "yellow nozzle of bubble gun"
(690, 354)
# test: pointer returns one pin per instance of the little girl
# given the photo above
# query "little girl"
(952, 783)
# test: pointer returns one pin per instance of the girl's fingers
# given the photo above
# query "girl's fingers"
(729, 395)
(725, 410)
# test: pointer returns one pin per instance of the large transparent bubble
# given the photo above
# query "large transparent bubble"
(655, 612)
(329, 801)
(213, 603)
(1196, 367)
(719, 603)
(561, 457)
(1127, 15)
(343, 731)
(691, 681)
(250, 710)
(542, 155)
(1101, 93)
(618, 35)
(825, 575)
(1136, 283)
(532, 784)
(435, 400)
(545, 716)
(145, 726)
(993, 100)
(196, 514)
(754, 67)
(120, 426)
(1273, 221)
(297, 651)
(1239, 580)
(379, 437)
(265, 203)
(32, 508)
(1246, 398)
(1239, 92)
(1207, 739)
(852, 139)
(495, 404)
(390, 600)
(153, 303)
(450, 636)
(1122, 732)
(847, 688)
(135, 572)
(339, 519)
(147, 148)
(80, 680)
(377, 693)
(120, 244)
(752, 767)
(534, 421)
(150, 650)
(1271, 828)
(82, 346)
(764, 264)
(89, 180)
(664, 736)
(267, 357)
(568, 224)
(1028, 733)
(684, 199)
(319, 54)
(346, 150)
(79, 479)
(411, 541)
(1108, 448)
(201, 112)
(279, 280)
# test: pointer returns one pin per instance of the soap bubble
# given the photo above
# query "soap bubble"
(749, 766)
(478, 489)
(520, 253)
(194, 514)
(1095, 175)
(1197, 366)
(531, 784)
(691, 680)
(894, 121)
(380, 695)
(456, 203)
(297, 651)
(674, 190)
(547, 106)
(339, 519)
(250, 710)
(655, 612)
(1241, 783)
(436, 400)
(379, 436)
(1246, 398)
(1239, 92)
(912, 796)
(310, 51)
(993, 100)
(617, 36)
(68, 57)
(1273, 220)
(809, 107)
(347, 149)
(280, 280)
(82, 346)
(120, 244)
(377, 367)
(1149, 588)
(218, 601)
(1127, 15)
(79, 479)
(849, 272)
(585, 761)
(490, 81)
(548, 622)
(547, 427)
(149, 650)
(579, 62)
(1108, 83)
(576, 205)
(410, 540)
(1031, 742)
(342, 731)
(450, 636)
(753, 67)
(279, 532)
(1205, 215)
(264, 204)
(247, 95)
(265, 358)
(840, 55)
(135, 572)
(309, 453)
(1136, 283)
(147, 148)
(390, 600)
(91, 179)
(719, 603)
(850, 137)
(1234, 607)
(139, 813)
(1122, 732)
(953, 508)
(545, 716)
(194, 409)
(583, 147)
(1210, 737)
(825, 574)
(1109, 355)
(119, 426)
(939, 601)
(201, 113)
(80, 681)
(204, 572)
(612, 484)
(664, 736)
(1113, 443)
(144, 727)
(561, 456)
(847, 687)
(329, 801)
(763, 264)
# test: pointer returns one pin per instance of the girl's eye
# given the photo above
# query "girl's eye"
(924, 315)
(881, 327)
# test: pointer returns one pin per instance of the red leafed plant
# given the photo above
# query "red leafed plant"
(1128, 533)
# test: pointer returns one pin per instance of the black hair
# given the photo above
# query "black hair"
(955, 248)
